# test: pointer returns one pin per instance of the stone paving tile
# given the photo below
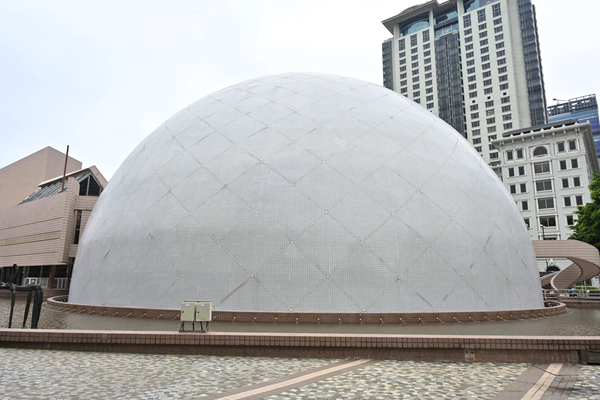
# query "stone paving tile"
(50, 374)
(413, 380)
(587, 385)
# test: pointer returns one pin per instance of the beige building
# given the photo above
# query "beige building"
(41, 233)
(21, 178)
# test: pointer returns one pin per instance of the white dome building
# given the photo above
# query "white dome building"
(306, 193)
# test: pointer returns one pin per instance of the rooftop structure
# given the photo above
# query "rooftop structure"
(299, 193)
(474, 63)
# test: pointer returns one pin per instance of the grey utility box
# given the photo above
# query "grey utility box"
(188, 311)
(203, 311)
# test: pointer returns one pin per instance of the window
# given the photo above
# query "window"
(541, 168)
(523, 187)
(477, 141)
(511, 172)
(468, 39)
(403, 83)
(478, 148)
(416, 94)
(492, 147)
(570, 220)
(427, 76)
(513, 189)
(403, 90)
(475, 115)
(502, 70)
(498, 21)
(505, 100)
(427, 61)
(482, 35)
(506, 117)
(543, 186)
(519, 153)
(482, 27)
(403, 68)
(427, 68)
(492, 137)
(489, 112)
(403, 76)
(546, 203)
(572, 145)
(403, 61)
(483, 42)
(430, 105)
(496, 10)
(574, 163)
(498, 29)
(472, 78)
(565, 183)
(429, 98)
(469, 47)
(579, 200)
(503, 78)
(489, 104)
(426, 35)
(491, 121)
(472, 86)
(499, 45)
(499, 37)
(548, 221)
(474, 124)
(470, 62)
(472, 94)
(500, 53)
(401, 44)
(474, 107)
(467, 21)
(487, 74)
(77, 226)
(426, 46)
(505, 108)
(414, 65)
(488, 90)
(415, 79)
(525, 207)
(576, 181)
(481, 16)
(470, 54)
(416, 86)
(402, 54)
(508, 126)
(476, 132)
(485, 58)
(414, 58)
(487, 82)
(509, 155)
(413, 51)
(502, 61)
(429, 90)
(485, 66)
(483, 51)
(471, 70)
(560, 146)
(563, 165)
(504, 86)
(491, 129)
(567, 201)
(418, 101)
(494, 156)
(413, 40)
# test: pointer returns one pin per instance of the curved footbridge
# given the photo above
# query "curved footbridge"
(585, 258)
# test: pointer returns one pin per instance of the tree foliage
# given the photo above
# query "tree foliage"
(587, 227)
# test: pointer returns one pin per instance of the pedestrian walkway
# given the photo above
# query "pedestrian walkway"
(52, 374)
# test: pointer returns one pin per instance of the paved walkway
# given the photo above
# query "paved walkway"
(40, 374)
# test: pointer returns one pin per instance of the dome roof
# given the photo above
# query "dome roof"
(306, 193)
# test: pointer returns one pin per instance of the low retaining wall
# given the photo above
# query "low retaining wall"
(400, 347)
(59, 303)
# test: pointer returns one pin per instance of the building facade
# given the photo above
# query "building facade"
(474, 63)
(21, 178)
(41, 233)
(547, 169)
(583, 109)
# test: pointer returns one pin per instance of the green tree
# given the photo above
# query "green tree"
(587, 227)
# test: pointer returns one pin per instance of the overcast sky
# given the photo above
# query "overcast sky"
(102, 75)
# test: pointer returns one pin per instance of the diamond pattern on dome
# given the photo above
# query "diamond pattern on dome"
(306, 193)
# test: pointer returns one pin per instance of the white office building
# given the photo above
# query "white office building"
(547, 169)
(474, 63)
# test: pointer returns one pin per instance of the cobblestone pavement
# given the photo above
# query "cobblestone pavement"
(50, 374)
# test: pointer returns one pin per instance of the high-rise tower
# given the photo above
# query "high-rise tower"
(474, 63)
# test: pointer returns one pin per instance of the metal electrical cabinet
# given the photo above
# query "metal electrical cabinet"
(195, 311)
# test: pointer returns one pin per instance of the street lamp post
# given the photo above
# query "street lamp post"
(544, 238)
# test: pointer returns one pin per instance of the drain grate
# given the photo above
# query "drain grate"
(593, 357)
